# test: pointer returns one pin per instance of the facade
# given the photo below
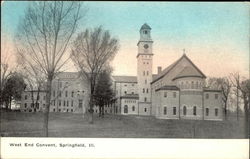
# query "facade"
(176, 92)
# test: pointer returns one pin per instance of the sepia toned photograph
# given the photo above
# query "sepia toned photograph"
(75, 69)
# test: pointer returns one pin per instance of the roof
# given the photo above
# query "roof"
(125, 79)
(129, 96)
(206, 89)
(168, 87)
(67, 75)
(189, 72)
(145, 26)
(170, 67)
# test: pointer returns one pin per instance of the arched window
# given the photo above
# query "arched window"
(143, 90)
(145, 99)
(125, 109)
(194, 110)
(207, 111)
(184, 110)
(133, 108)
(196, 85)
(216, 112)
(192, 85)
(147, 90)
(165, 111)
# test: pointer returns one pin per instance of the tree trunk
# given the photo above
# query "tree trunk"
(100, 111)
(91, 109)
(47, 107)
(246, 119)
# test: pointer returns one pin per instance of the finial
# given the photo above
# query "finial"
(184, 51)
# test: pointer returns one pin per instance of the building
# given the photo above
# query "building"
(176, 92)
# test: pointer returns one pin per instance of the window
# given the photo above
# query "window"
(125, 109)
(38, 97)
(147, 90)
(72, 94)
(147, 73)
(125, 85)
(54, 93)
(194, 110)
(133, 108)
(145, 81)
(174, 110)
(59, 110)
(67, 103)
(207, 96)
(165, 111)
(25, 97)
(216, 112)
(132, 92)
(54, 110)
(71, 110)
(59, 102)
(143, 90)
(60, 85)
(196, 85)
(145, 32)
(145, 109)
(72, 103)
(192, 85)
(125, 92)
(25, 105)
(60, 93)
(184, 110)
(207, 111)
(174, 94)
(64, 103)
(66, 93)
(216, 96)
(54, 102)
(145, 99)
(165, 94)
(143, 73)
(80, 103)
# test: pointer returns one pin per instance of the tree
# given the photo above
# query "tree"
(224, 85)
(43, 38)
(92, 52)
(103, 92)
(243, 92)
(13, 88)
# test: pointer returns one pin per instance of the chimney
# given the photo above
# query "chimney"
(159, 70)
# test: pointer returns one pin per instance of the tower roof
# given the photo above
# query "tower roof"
(145, 26)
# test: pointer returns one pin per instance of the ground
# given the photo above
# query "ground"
(17, 124)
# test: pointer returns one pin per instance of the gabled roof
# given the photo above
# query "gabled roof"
(170, 67)
(189, 72)
(167, 87)
(145, 26)
(125, 79)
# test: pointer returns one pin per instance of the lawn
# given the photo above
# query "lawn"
(17, 124)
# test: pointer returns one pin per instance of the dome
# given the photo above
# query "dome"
(145, 26)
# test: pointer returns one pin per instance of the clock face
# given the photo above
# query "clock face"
(146, 46)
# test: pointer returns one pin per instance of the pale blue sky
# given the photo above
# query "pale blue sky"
(218, 29)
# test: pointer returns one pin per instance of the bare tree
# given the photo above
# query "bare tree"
(242, 86)
(43, 37)
(92, 52)
(224, 85)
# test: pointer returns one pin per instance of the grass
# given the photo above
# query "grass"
(19, 124)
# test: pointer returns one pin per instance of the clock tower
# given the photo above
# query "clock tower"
(144, 70)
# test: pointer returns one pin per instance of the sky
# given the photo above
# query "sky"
(214, 35)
